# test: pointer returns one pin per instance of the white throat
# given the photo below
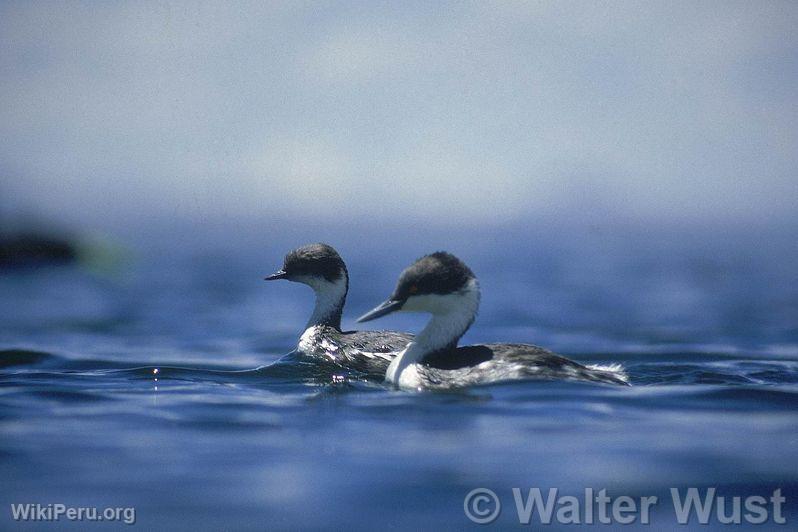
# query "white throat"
(330, 298)
(452, 315)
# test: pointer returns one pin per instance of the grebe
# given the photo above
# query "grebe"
(320, 267)
(444, 286)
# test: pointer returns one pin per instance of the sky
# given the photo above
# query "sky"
(369, 112)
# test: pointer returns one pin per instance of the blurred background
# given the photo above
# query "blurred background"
(621, 176)
(472, 114)
(656, 144)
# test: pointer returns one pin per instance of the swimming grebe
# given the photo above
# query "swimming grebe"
(320, 267)
(444, 286)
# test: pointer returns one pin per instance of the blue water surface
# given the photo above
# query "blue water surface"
(155, 383)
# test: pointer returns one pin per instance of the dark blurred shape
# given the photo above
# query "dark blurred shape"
(21, 357)
(31, 250)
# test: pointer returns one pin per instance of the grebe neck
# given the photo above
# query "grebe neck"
(330, 299)
(453, 315)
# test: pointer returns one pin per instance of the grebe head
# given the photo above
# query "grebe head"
(314, 265)
(438, 283)
(320, 267)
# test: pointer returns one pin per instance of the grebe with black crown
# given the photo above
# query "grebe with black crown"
(444, 286)
(320, 267)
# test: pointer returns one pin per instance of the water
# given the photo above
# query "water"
(156, 385)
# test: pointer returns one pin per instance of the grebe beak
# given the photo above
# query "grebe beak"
(382, 309)
(276, 275)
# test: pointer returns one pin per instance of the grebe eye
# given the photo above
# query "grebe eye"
(413, 289)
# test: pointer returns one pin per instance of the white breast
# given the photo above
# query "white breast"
(409, 379)
(308, 340)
